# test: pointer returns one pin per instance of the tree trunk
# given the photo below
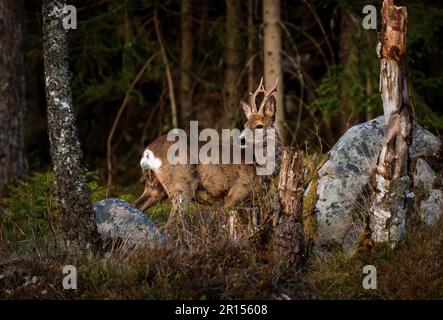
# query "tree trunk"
(289, 236)
(233, 60)
(251, 47)
(77, 215)
(391, 203)
(272, 47)
(12, 96)
(186, 61)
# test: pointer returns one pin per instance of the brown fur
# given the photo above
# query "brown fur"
(229, 183)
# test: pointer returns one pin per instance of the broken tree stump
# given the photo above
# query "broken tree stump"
(391, 201)
(289, 239)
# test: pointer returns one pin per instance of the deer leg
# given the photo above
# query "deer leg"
(176, 224)
(152, 194)
(141, 199)
(180, 184)
(152, 201)
(150, 197)
(180, 198)
(237, 193)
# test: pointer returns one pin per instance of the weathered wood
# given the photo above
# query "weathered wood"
(289, 238)
(73, 197)
(390, 203)
(12, 96)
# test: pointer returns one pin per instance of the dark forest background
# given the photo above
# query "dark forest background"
(329, 62)
(124, 57)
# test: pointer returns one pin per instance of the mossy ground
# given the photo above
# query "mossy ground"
(32, 259)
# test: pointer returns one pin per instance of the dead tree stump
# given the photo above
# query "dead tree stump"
(391, 201)
(289, 238)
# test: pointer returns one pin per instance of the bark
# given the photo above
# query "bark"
(390, 206)
(272, 46)
(73, 197)
(251, 47)
(186, 61)
(12, 97)
(289, 237)
(233, 60)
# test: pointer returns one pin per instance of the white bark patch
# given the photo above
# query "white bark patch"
(380, 215)
(150, 161)
(56, 11)
(388, 220)
(390, 87)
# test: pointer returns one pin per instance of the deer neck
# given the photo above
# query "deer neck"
(274, 159)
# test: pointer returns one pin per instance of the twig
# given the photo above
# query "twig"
(117, 119)
(168, 71)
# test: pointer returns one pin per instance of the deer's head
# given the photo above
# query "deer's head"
(259, 119)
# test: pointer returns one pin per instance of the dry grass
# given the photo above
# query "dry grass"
(211, 267)
(219, 270)
(414, 270)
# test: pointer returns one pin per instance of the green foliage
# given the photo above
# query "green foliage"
(328, 99)
(353, 88)
(160, 212)
(30, 209)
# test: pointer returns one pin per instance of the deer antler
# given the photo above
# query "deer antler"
(268, 94)
(259, 89)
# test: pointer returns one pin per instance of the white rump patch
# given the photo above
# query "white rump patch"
(150, 161)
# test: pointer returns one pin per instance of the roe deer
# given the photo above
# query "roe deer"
(230, 183)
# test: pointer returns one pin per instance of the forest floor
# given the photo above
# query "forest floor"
(32, 261)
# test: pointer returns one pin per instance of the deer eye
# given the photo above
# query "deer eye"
(259, 126)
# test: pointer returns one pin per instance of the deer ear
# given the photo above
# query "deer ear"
(246, 108)
(270, 108)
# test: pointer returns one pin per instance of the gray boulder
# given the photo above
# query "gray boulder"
(431, 208)
(342, 186)
(117, 219)
(424, 175)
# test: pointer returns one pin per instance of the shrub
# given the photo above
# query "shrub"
(30, 209)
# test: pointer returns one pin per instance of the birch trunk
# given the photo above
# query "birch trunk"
(186, 61)
(77, 215)
(12, 97)
(272, 56)
(391, 203)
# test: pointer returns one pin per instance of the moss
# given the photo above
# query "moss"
(411, 271)
(313, 165)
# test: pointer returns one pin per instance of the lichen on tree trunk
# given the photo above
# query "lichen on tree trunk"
(73, 197)
(390, 204)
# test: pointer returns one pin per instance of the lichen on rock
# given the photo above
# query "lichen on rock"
(118, 220)
(342, 183)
